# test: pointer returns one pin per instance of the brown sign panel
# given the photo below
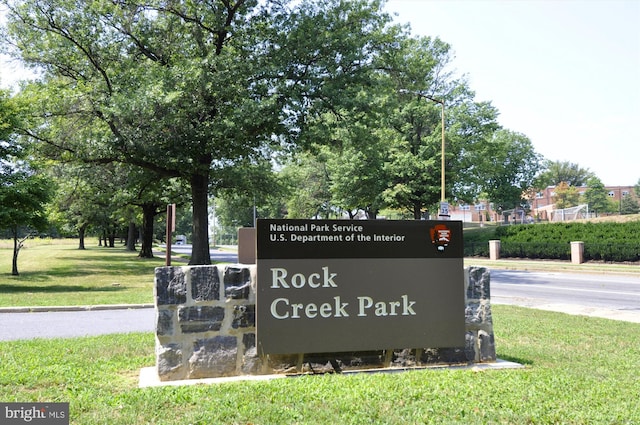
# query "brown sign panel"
(336, 285)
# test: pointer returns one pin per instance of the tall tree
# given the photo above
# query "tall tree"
(595, 196)
(555, 172)
(309, 189)
(189, 89)
(23, 193)
(629, 205)
(414, 150)
(505, 168)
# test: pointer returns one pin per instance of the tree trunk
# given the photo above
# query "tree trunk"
(16, 250)
(131, 237)
(149, 212)
(200, 198)
(417, 211)
(81, 231)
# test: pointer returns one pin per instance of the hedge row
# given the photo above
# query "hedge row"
(609, 241)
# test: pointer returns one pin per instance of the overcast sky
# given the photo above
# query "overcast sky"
(566, 73)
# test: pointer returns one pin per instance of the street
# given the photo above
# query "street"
(602, 295)
(216, 254)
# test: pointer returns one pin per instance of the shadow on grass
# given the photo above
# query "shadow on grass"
(20, 289)
(516, 359)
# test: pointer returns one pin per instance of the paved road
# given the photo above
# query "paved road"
(216, 254)
(609, 296)
(68, 324)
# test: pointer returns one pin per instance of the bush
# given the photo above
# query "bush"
(608, 241)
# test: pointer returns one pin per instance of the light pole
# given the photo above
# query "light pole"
(444, 208)
(441, 102)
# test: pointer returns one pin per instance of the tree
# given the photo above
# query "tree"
(249, 192)
(507, 169)
(23, 193)
(414, 155)
(595, 196)
(565, 196)
(23, 196)
(308, 185)
(556, 172)
(629, 205)
(357, 176)
(190, 89)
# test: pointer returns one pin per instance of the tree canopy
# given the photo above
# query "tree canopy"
(234, 100)
(189, 89)
(555, 172)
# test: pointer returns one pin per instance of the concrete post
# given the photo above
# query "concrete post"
(494, 249)
(577, 252)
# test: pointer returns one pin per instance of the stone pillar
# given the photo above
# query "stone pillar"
(247, 245)
(494, 249)
(205, 322)
(577, 252)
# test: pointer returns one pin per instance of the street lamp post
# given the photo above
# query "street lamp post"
(444, 210)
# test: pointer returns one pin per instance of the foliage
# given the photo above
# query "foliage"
(23, 193)
(507, 169)
(595, 196)
(607, 241)
(388, 154)
(577, 370)
(565, 196)
(629, 205)
(556, 172)
(192, 89)
(414, 148)
(308, 183)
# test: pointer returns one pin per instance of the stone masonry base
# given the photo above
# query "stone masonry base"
(205, 328)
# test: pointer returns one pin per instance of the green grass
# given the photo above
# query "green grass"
(56, 272)
(579, 370)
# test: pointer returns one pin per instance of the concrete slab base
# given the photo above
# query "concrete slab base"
(149, 375)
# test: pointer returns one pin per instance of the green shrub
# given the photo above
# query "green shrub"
(609, 241)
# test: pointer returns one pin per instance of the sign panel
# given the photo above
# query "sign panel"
(337, 285)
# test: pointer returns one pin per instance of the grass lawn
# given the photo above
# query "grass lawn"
(579, 370)
(56, 272)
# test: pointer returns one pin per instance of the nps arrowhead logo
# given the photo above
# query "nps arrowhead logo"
(440, 236)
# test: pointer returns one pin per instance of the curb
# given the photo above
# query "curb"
(42, 309)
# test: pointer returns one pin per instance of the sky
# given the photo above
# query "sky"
(565, 73)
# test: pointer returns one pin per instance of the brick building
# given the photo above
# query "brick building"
(542, 206)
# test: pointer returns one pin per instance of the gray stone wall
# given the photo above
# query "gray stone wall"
(205, 328)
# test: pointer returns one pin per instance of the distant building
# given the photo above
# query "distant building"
(542, 207)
